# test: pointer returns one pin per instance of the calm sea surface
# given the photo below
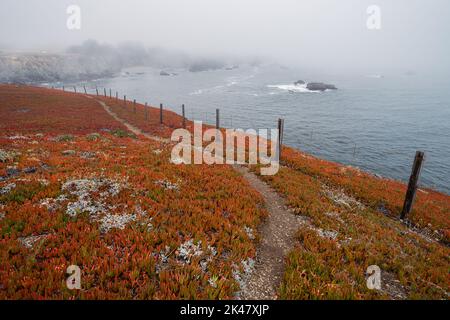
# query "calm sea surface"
(373, 122)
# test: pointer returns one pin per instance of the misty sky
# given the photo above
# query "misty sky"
(414, 34)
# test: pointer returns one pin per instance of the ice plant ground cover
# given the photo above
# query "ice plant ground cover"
(431, 209)
(353, 223)
(138, 226)
(77, 188)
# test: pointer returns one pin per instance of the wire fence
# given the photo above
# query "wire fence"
(391, 162)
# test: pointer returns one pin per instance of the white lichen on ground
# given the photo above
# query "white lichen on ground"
(184, 254)
(242, 273)
(249, 232)
(51, 204)
(212, 252)
(109, 222)
(167, 185)
(328, 234)
(94, 197)
(212, 281)
(68, 152)
(30, 241)
(142, 215)
(187, 250)
(18, 137)
(83, 190)
(6, 156)
(44, 182)
(7, 189)
(335, 215)
(339, 197)
(88, 155)
(162, 258)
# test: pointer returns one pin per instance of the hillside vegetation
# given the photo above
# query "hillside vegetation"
(353, 222)
(78, 188)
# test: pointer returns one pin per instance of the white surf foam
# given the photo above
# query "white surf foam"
(300, 88)
(197, 92)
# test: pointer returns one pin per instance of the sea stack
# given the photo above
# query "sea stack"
(319, 86)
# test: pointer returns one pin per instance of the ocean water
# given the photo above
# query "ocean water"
(372, 122)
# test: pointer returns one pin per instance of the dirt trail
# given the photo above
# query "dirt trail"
(277, 239)
(130, 127)
(277, 231)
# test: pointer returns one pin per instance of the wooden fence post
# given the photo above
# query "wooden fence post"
(110, 93)
(117, 96)
(217, 118)
(64, 89)
(75, 89)
(104, 90)
(412, 185)
(96, 90)
(84, 87)
(160, 113)
(134, 105)
(146, 111)
(184, 116)
(280, 134)
(125, 100)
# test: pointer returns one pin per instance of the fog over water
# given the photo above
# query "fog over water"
(315, 34)
(392, 97)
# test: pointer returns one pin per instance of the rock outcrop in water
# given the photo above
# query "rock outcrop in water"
(167, 74)
(320, 86)
(299, 82)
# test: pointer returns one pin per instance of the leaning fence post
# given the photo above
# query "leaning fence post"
(146, 111)
(75, 89)
(160, 113)
(280, 135)
(412, 185)
(184, 116)
(134, 105)
(84, 87)
(217, 118)
(96, 90)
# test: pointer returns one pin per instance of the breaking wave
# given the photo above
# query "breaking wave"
(293, 88)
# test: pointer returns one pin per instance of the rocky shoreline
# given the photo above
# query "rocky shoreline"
(316, 86)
